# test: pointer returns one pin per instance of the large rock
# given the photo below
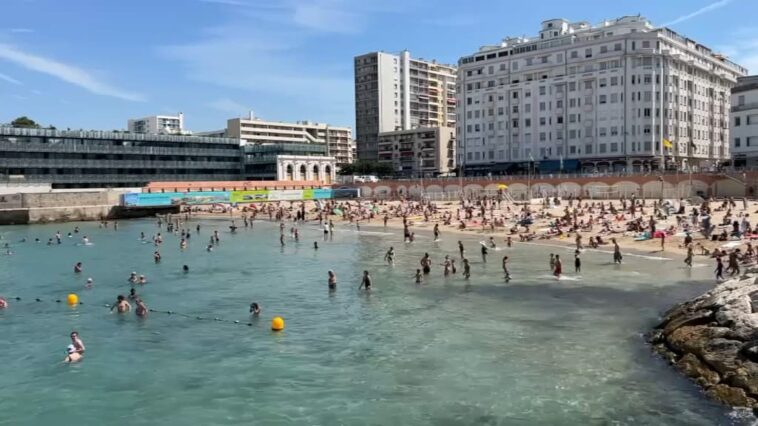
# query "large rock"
(713, 339)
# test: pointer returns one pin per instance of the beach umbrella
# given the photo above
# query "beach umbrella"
(502, 186)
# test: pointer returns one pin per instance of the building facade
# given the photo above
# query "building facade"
(94, 159)
(158, 125)
(397, 92)
(338, 141)
(744, 121)
(424, 151)
(605, 97)
(290, 162)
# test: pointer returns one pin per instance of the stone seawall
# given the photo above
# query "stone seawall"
(18, 209)
(713, 339)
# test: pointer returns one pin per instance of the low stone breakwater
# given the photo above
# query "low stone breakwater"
(713, 339)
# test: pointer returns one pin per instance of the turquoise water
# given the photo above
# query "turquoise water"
(533, 351)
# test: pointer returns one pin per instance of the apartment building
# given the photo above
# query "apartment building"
(337, 140)
(424, 151)
(744, 121)
(397, 92)
(621, 95)
(158, 124)
(95, 159)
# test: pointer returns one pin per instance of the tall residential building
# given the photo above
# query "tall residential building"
(424, 151)
(397, 92)
(599, 97)
(337, 140)
(158, 124)
(745, 122)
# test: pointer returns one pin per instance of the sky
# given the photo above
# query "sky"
(93, 64)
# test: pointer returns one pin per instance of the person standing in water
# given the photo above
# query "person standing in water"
(616, 251)
(505, 269)
(72, 355)
(552, 261)
(688, 259)
(418, 276)
(141, 310)
(484, 253)
(390, 256)
(78, 267)
(332, 280)
(121, 306)
(366, 281)
(577, 262)
(77, 342)
(461, 250)
(558, 267)
(436, 232)
(255, 309)
(719, 269)
(466, 269)
(426, 264)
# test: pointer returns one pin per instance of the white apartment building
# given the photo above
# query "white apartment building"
(158, 125)
(745, 122)
(338, 140)
(397, 92)
(594, 98)
(424, 151)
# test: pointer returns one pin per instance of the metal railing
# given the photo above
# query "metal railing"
(120, 164)
(113, 149)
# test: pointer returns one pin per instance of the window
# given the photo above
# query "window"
(574, 54)
(542, 106)
(741, 100)
(603, 82)
(500, 111)
(614, 147)
(542, 90)
(603, 49)
(602, 148)
(588, 84)
(736, 142)
(572, 103)
(528, 108)
(559, 119)
(543, 137)
(502, 66)
(602, 132)
(614, 81)
(559, 103)
(527, 93)
(514, 124)
(572, 134)
(646, 45)
(588, 149)
(614, 130)
(603, 99)
(587, 53)
(515, 95)
(572, 86)
(528, 122)
(572, 149)
(515, 109)
(543, 121)
(617, 47)
(529, 61)
(614, 98)
(736, 121)
(543, 59)
(572, 118)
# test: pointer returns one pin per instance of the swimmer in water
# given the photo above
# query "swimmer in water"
(141, 310)
(426, 264)
(509, 242)
(89, 283)
(133, 294)
(688, 259)
(390, 256)
(72, 355)
(366, 281)
(255, 309)
(77, 342)
(466, 269)
(209, 248)
(332, 280)
(157, 257)
(133, 277)
(281, 239)
(461, 249)
(552, 261)
(3, 303)
(436, 232)
(121, 306)
(492, 243)
(142, 279)
(78, 267)
(577, 262)
(616, 252)
(315, 245)
(484, 254)
(85, 240)
(185, 269)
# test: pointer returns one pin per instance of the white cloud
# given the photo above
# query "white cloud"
(227, 2)
(65, 72)
(229, 106)
(706, 9)
(10, 79)
(20, 30)
(744, 49)
(327, 16)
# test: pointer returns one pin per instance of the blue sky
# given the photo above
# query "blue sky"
(92, 64)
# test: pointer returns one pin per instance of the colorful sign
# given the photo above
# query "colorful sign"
(286, 195)
(175, 198)
(252, 196)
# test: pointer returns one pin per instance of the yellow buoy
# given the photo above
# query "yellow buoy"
(277, 324)
(72, 299)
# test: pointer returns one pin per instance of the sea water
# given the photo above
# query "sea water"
(534, 350)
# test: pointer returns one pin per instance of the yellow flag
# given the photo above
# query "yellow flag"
(667, 144)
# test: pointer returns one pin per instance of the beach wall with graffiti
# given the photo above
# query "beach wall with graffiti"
(155, 199)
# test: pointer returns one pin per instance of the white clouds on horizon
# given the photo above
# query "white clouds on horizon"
(10, 79)
(711, 7)
(20, 30)
(68, 73)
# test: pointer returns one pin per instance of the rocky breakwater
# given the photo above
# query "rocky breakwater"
(713, 339)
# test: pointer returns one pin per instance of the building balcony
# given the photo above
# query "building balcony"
(51, 163)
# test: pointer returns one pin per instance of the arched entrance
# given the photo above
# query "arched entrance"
(328, 174)
(302, 172)
(290, 172)
(316, 175)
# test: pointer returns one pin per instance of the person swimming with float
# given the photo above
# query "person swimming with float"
(72, 355)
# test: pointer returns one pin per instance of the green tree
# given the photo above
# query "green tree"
(25, 122)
